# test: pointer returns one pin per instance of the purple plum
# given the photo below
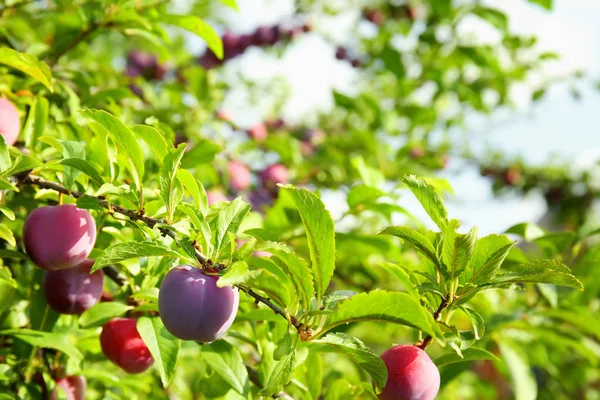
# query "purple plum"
(73, 290)
(192, 307)
(57, 237)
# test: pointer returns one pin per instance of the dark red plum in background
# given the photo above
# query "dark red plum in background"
(57, 237)
(239, 176)
(123, 345)
(10, 122)
(274, 174)
(224, 115)
(146, 65)
(192, 307)
(73, 290)
(411, 374)
(260, 198)
(258, 132)
(215, 196)
(73, 387)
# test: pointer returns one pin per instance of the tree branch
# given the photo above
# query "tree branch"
(304, 330)
(437, 315)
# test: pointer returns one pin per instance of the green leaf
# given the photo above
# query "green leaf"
(128, 250)
(27, 64)
(370, 176)
(527, 231)
(359, 353)
(124, 139)
(203, 152)
(493, 16)
(263, 234)
(279, 375)
(470, 354)
(196, 25)
(230, 3)
(89, 203)
(101, 313)
(457, 248)
(10, 214)
(524, 383)
(476, 321)
(296, 269)
(490, 251)
(284, 347)
(429, 198)
(320, 234)
(361, 195)
(547, 4)
(229, 220)
(163, 346)
(581, 318)
(71, 149)
(22, 163)
(195, 189)
(227, 362)
(539, 271)
(420, 242)
(379, 305)
(47, 340)
(6, 234)
(5, 161)
(404, 277)
(154, 139)
(393, 61)
(36, 121)
(85, 167)
(168, 178)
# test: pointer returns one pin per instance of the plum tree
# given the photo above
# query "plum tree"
(73, 386)
(274, 174)
(73, 290)
(239, 176)
(57, 237)
(10, 122)
(123, 345)
(192, 307)
(411, 374)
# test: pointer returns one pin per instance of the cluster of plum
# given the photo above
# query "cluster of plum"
(343, 54)
(59, 239)
(378, 16)
(236, 44)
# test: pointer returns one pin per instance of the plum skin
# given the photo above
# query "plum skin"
(240, 176)
(73, 290)
(122, 344)
(57, 237)
(274, 174)
(74, 386)
(10, 122)
(192, 307)
(411, 374)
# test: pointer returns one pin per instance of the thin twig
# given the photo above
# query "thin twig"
(436, 316)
